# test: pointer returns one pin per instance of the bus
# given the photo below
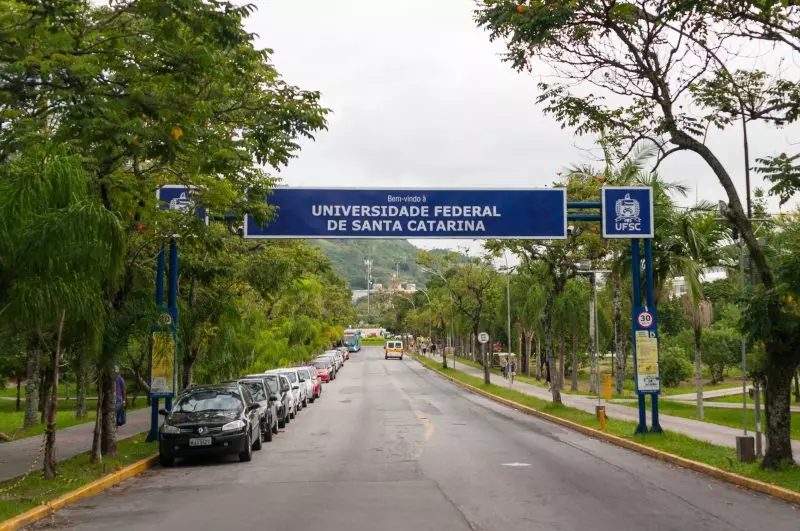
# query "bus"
(352, 340)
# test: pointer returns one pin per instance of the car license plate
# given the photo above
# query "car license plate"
(200, 441)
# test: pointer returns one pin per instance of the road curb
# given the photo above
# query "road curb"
(718, 473)
(90, 489)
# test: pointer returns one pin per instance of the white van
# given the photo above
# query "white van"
(393, 349)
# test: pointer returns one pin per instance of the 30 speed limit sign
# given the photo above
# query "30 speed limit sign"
(645, 319)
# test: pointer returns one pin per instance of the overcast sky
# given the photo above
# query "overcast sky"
(420, 97)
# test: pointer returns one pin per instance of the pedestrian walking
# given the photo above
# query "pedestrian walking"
(433, 349)
(504, 367)
(513, 370)
(424, 348)
(121, 396)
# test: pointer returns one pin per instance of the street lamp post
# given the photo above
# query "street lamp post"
(430, 316)
(584, 268)
(508, 271)
(368, 264)
(452, 317)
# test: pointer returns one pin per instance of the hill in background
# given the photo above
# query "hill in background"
(387, 257)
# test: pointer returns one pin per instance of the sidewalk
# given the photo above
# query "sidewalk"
(16, 456)
(704, 431)
(717, 393)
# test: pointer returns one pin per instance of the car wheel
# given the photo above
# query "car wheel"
(259, 442)
(165, 460)
(282, 422)
(268, 434)
(401, 358)
(276, 426)
(247, 455)
(305, 402)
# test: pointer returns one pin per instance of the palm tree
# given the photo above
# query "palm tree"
(691, 243)
(57, 246)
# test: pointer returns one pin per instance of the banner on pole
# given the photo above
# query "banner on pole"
(162, 365)
(421, 213)
(647, 376)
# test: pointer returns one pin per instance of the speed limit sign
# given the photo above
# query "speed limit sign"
(483, 338)
(645, 319)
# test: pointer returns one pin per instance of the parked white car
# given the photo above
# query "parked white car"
(308, 381)
(337, 356)
(298, 385)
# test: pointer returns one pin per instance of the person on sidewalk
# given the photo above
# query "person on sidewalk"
(512, 370)
(504, 367)
(122, 396)
(433, 348)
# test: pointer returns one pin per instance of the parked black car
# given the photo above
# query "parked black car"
(269, 411)
(211, 419)
(280, 393)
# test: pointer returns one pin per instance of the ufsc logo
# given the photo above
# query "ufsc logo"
(628, 219)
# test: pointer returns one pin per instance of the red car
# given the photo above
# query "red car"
(323, 368)
(317, 381)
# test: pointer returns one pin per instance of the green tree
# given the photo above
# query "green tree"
(648, 63)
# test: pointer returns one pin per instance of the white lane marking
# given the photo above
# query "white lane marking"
(516, 464)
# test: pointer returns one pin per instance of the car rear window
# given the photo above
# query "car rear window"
(304, 373)
(272, 383)
(321, 364)
(257, 390)
(291, 376)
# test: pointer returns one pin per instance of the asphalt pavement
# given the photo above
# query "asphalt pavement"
(392, 446)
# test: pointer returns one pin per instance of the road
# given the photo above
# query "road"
(393, 447)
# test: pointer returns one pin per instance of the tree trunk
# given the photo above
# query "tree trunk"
(592, 332)
(108, 439)
(81, 409)
(698, 368)
(50, 439)
(796, 388)
(547, 322)
(619, 344)
(777, 399)
(32, 388)
(529, 351)
(44, 392)
(97, 455)
(188, 368)
(562, 354)
(574, 386)
(526, 361)
(19, 393)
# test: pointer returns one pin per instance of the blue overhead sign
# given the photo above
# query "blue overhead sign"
(180, 197)
(403, 213)
(627, 212)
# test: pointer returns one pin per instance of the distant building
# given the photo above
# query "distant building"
(678, 287)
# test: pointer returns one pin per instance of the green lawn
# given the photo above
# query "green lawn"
(674, 443)
(11, 421)
(716, 415)
(373, 341)
(72, 474)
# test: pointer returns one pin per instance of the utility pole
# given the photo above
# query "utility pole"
(368, 264)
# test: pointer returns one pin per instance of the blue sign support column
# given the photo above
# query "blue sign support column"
(651, 305)
(636, 269)
(154, 399)
(172, 304)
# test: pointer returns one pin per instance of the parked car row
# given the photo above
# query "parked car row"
(237, 417)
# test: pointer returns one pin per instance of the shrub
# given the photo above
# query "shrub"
(674, 366)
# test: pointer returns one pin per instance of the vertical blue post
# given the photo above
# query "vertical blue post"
(153, 435)
(651, 306)
(636, 275)
(172, 303)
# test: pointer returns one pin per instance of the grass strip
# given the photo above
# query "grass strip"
(11, 421)
(673, 443)
(716, 415)
(72, 474)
